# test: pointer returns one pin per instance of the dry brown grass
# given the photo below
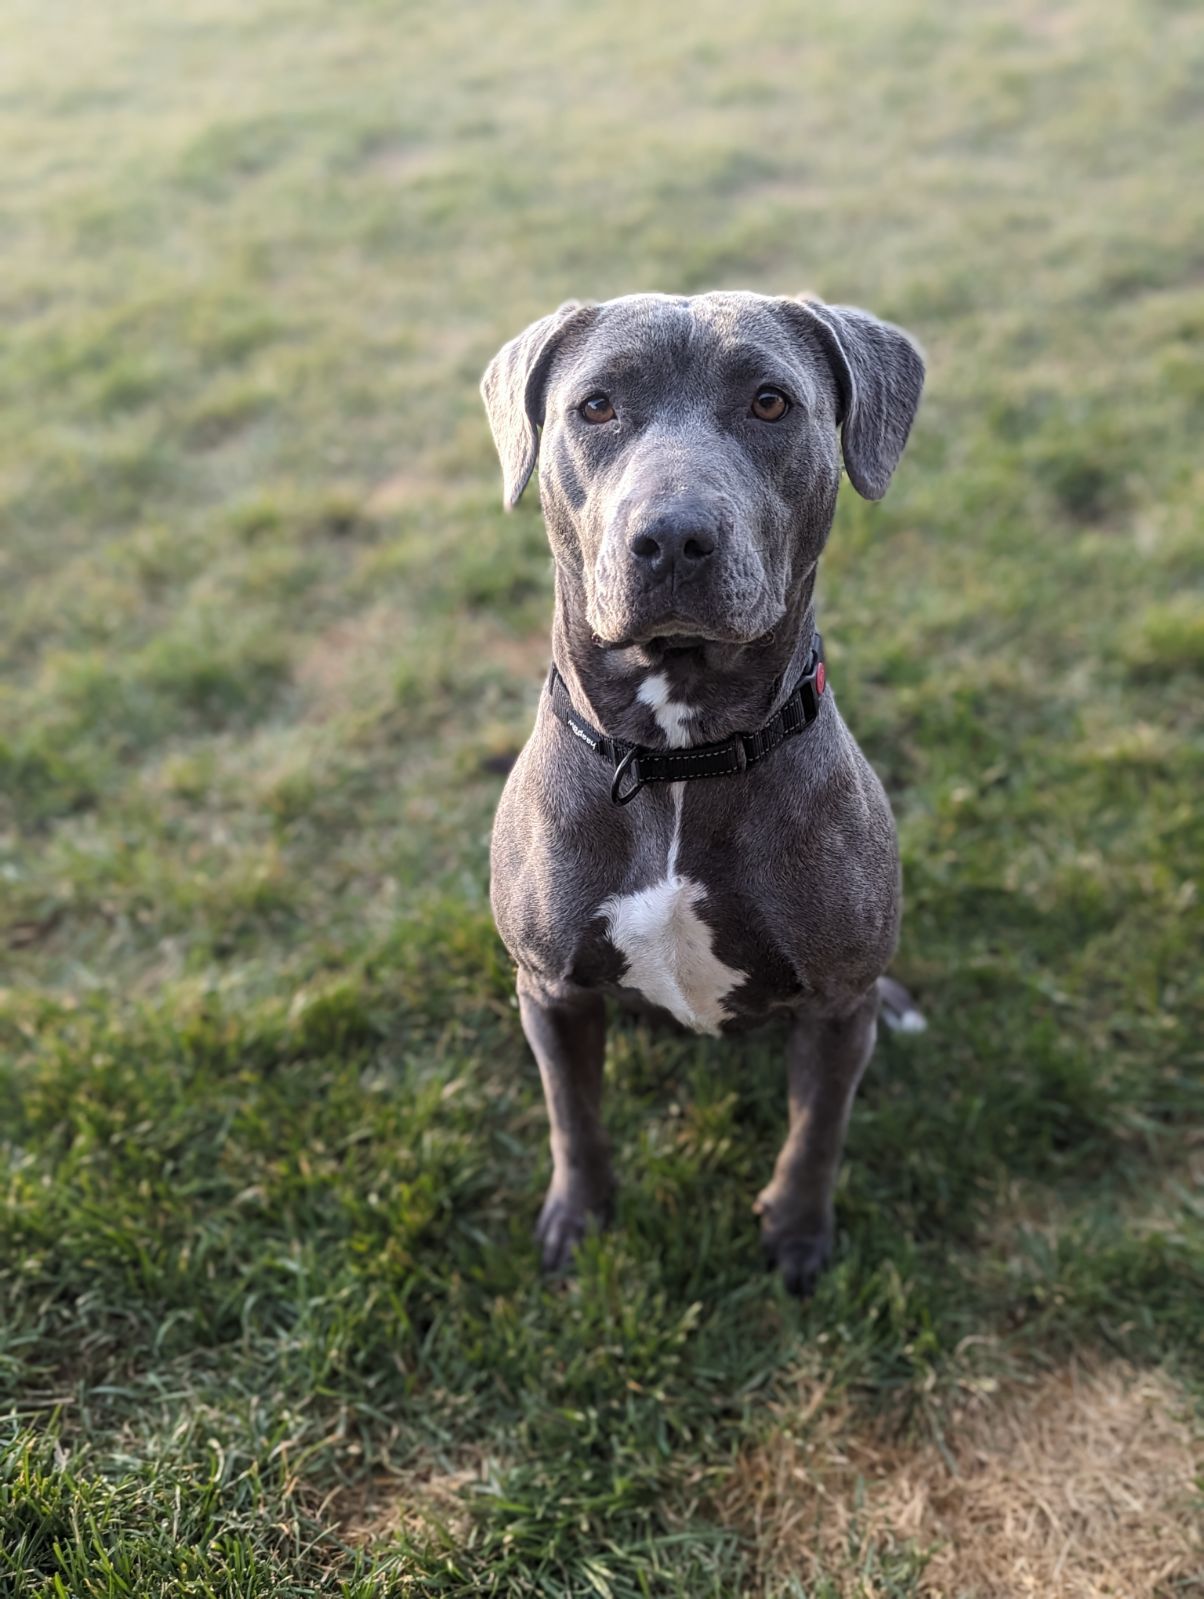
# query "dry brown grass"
(425, 1496)
(398, 492)
(1079, 1487)
(347, 659)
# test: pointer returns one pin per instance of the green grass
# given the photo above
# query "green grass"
(270, 1143)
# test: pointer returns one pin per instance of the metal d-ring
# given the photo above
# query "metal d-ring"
(620, 774)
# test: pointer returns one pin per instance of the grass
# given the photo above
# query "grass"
(270, 1144)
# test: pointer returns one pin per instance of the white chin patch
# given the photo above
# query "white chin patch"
(671, 715)
(668, 951)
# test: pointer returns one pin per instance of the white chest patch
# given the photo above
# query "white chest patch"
(658, 930)
(668, 950)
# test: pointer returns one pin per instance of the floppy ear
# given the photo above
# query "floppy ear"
(513, 391)
(879, 372)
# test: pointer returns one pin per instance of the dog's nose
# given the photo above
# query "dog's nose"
(677, 543)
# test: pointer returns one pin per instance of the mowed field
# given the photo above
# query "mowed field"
(271, 1145)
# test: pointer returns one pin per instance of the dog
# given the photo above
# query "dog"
(691, 824)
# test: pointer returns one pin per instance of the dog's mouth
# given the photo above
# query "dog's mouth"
(659, 632)
(689, 650)
(674, 643)
(686, 648)
(668, 642)
(657, 647)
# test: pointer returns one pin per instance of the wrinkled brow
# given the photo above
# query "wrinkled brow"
(726, 360)
(619, 364)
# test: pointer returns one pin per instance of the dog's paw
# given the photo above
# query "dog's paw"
(799, 1253)
(800, 1259)
(563, 1222)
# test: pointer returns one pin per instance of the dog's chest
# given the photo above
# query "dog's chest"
(667, 946)
(669, 951)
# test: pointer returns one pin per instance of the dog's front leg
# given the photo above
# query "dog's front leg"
(567, 1036)
(825, 1060)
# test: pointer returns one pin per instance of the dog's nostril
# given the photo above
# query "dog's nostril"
(673, 542)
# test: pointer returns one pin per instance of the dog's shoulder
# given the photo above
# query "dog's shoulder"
(827, 863)
(557, 842)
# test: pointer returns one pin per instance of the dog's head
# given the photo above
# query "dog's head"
(688, 459)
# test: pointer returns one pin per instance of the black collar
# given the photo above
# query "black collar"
(735, 754)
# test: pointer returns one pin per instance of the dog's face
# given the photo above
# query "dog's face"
(689, 458)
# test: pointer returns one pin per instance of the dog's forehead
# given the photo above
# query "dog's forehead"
(651, 329)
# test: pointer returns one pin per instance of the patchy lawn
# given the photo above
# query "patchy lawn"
(270, 1143)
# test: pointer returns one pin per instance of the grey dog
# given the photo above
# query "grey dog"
(689, 457)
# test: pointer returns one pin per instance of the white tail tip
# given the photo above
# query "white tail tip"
(897, 1009)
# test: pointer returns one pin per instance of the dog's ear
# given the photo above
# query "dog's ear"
(879, 374)
(513, 391)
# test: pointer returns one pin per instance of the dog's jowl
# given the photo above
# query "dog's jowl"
(691, 825)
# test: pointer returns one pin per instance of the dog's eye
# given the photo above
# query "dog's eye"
(598, 409)
(770, 405)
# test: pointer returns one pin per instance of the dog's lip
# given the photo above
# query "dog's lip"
(665, 640)
(668, 642)
(670, 631)
(665, 635)
(662, 643)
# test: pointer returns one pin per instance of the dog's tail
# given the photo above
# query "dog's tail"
(897, 1008)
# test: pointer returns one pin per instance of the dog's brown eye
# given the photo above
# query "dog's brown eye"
(770, 405)
(598, 409)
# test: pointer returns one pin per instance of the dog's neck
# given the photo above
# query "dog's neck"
(693, 696)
